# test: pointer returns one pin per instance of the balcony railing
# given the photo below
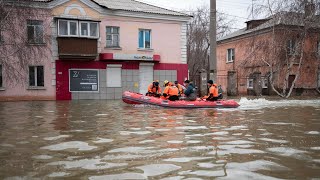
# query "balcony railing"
(77, 48)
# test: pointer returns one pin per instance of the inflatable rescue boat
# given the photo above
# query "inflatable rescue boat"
(136, 98)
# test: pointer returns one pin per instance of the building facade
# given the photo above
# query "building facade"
(104, 47)
(269, 51)
(25, 52)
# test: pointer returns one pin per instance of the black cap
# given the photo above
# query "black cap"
(176, 82)
(187, 81)
(210, 81)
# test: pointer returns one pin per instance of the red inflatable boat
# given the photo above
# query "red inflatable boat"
(135, 98)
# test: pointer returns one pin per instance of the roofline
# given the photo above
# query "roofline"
(258, 20)
(183, 14)
(253, 33)
(236, 38)
(146, 15)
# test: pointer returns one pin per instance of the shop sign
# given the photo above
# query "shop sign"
(141, 57)
(83, 80)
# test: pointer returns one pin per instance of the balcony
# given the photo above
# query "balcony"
(76, 48)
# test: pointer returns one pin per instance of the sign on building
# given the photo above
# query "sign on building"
(83, 80)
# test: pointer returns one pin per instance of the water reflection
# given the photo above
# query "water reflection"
(111, 140)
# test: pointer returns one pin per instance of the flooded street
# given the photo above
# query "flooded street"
(262, 139)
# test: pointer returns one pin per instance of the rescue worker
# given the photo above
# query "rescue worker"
(190, 94)
(180, 87)
(170, 92)
(213, 91)
(154, 89)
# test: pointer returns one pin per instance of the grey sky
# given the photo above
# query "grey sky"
(235, 9)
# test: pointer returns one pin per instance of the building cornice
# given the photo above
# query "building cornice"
(263, 31)
(244, 36)
(149, 16)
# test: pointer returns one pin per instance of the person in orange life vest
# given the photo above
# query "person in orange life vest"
(166, 89)
(154, 89)
(213, 91)
(180, 87)
(171, 92)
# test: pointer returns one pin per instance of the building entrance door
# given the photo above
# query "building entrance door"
(290, 80)
(145, 76)
(232, 83)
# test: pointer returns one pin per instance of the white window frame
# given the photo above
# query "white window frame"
(144, 42)
(232, 53)
(68, 28)
(98, 29)
(114, 78)
(88, 26)
(248, 83)
(77, 30)
(112, 34)
(36, 76)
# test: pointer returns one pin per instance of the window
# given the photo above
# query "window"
(291, 47)
(71, 28)
(114, 75)
(35, 31)
(250, 84)
(230, 55)
(318, 48)
(1, 37)
(89, 29)
(67, 28)
(145, 38)
(36, 76)
(265, 82)
(1, 84)
(112, 34)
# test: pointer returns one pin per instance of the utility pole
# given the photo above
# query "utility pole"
(213, 41)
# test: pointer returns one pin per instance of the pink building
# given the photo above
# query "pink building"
(101, 48)
(25, 53)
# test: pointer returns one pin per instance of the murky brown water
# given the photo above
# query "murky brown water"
(111, 140)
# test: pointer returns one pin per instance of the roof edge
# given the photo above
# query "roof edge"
(183, 14)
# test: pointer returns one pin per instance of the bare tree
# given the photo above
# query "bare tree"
(293, 23)
(198, 42)
(25, 37)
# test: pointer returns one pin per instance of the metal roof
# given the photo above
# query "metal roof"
(282, 18)
(136, 6)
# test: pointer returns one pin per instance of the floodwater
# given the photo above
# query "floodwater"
(262, 139)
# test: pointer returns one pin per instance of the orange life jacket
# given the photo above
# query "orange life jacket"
(214, 90)
(173, 91)
(166, 90)
(154, 89)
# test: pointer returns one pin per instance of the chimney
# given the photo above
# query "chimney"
(309, 9)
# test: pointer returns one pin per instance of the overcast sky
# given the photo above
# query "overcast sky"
(235, 9)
